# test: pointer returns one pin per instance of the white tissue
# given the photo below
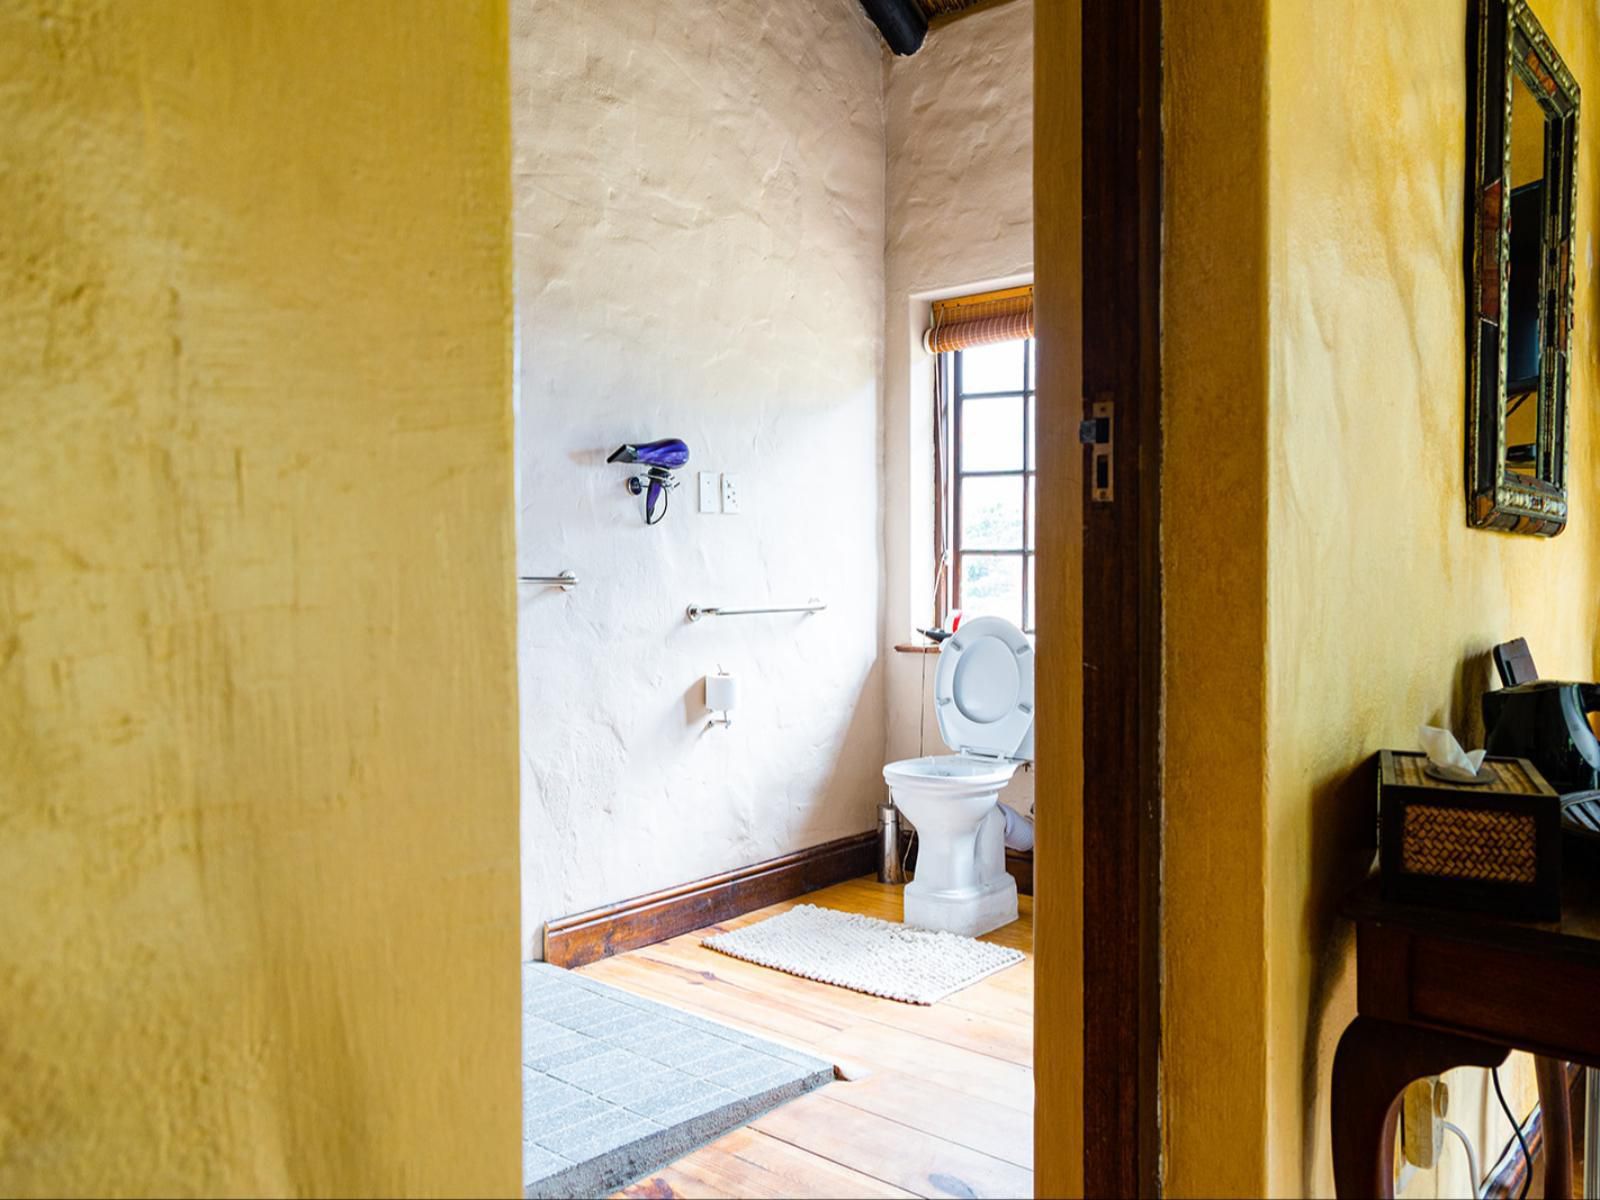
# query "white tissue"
(1447, 756)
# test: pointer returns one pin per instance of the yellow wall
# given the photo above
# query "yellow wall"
(1214, 548)
(258, 812)
(1379, 603)
(1382, 603)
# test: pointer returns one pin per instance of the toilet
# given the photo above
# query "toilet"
(983, 697)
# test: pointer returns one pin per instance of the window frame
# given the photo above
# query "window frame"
(949, 489)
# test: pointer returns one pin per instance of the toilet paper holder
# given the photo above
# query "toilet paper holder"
(722, 695)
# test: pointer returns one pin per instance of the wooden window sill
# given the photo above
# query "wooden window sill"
(906, 648)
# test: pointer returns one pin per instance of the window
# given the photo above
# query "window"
(991, 489)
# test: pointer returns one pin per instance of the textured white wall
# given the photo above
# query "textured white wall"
(960, 216)
(699, 194)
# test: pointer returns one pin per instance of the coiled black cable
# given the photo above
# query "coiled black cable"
(1516, 1128)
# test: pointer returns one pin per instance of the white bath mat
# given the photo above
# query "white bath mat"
(865, 954)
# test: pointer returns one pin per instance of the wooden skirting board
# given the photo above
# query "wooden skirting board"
(644, 920)
(1019, 864)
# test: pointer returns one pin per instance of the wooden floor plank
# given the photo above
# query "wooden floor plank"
(1002, 1036)
(996, 997)
(767, 1015)
(805, 1173)
(749, 1163)
(895, 1153)
(943, 1102)
(979, 1075)
(691, 1179)
(993, 1129)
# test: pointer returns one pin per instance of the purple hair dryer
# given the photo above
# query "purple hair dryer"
(660, 459)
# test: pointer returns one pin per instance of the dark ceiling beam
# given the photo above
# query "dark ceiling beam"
(902, 23)
(945, 12)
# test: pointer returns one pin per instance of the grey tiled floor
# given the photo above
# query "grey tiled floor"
(615, 1085)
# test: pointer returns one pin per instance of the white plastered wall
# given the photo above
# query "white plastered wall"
(724, 212)
(960, 219)
(699, 201)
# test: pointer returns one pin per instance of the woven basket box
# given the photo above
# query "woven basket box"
(1493, 847)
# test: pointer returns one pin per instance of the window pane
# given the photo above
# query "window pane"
(1033, 433)
(991, 513)
(1033, 366)
(996, 368)
(991, 434)
(991, 586)
(1033, 510)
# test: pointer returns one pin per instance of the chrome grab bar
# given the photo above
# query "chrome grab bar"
(566, 581)
(696, 611)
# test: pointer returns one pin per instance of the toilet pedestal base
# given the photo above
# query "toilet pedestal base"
(969, 912)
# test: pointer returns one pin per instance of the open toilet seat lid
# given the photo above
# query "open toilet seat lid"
(983, 691)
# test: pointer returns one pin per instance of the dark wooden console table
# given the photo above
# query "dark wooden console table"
(1438, 989)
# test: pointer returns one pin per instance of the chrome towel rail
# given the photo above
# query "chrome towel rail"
(696, 611)
(566, 581)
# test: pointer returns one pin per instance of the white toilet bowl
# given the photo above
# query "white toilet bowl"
(962, 885)
(983, 695)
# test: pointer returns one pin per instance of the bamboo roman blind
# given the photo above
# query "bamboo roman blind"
(967, 321)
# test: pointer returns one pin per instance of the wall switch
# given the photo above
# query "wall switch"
(708, 492)
(730, 494)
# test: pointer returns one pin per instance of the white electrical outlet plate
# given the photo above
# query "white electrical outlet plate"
(730, 493)
(708, 492)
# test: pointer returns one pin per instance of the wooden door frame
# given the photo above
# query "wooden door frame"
(1121, 83)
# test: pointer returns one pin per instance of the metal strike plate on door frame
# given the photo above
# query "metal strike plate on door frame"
(1099, 434)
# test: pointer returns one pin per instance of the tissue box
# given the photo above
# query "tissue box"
(1493, 847)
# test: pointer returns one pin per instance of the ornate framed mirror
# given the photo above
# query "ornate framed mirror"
(1522, 191)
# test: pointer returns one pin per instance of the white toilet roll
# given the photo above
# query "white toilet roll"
(722, 693)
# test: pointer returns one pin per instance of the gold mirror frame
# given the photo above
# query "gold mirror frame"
(1505, 40)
